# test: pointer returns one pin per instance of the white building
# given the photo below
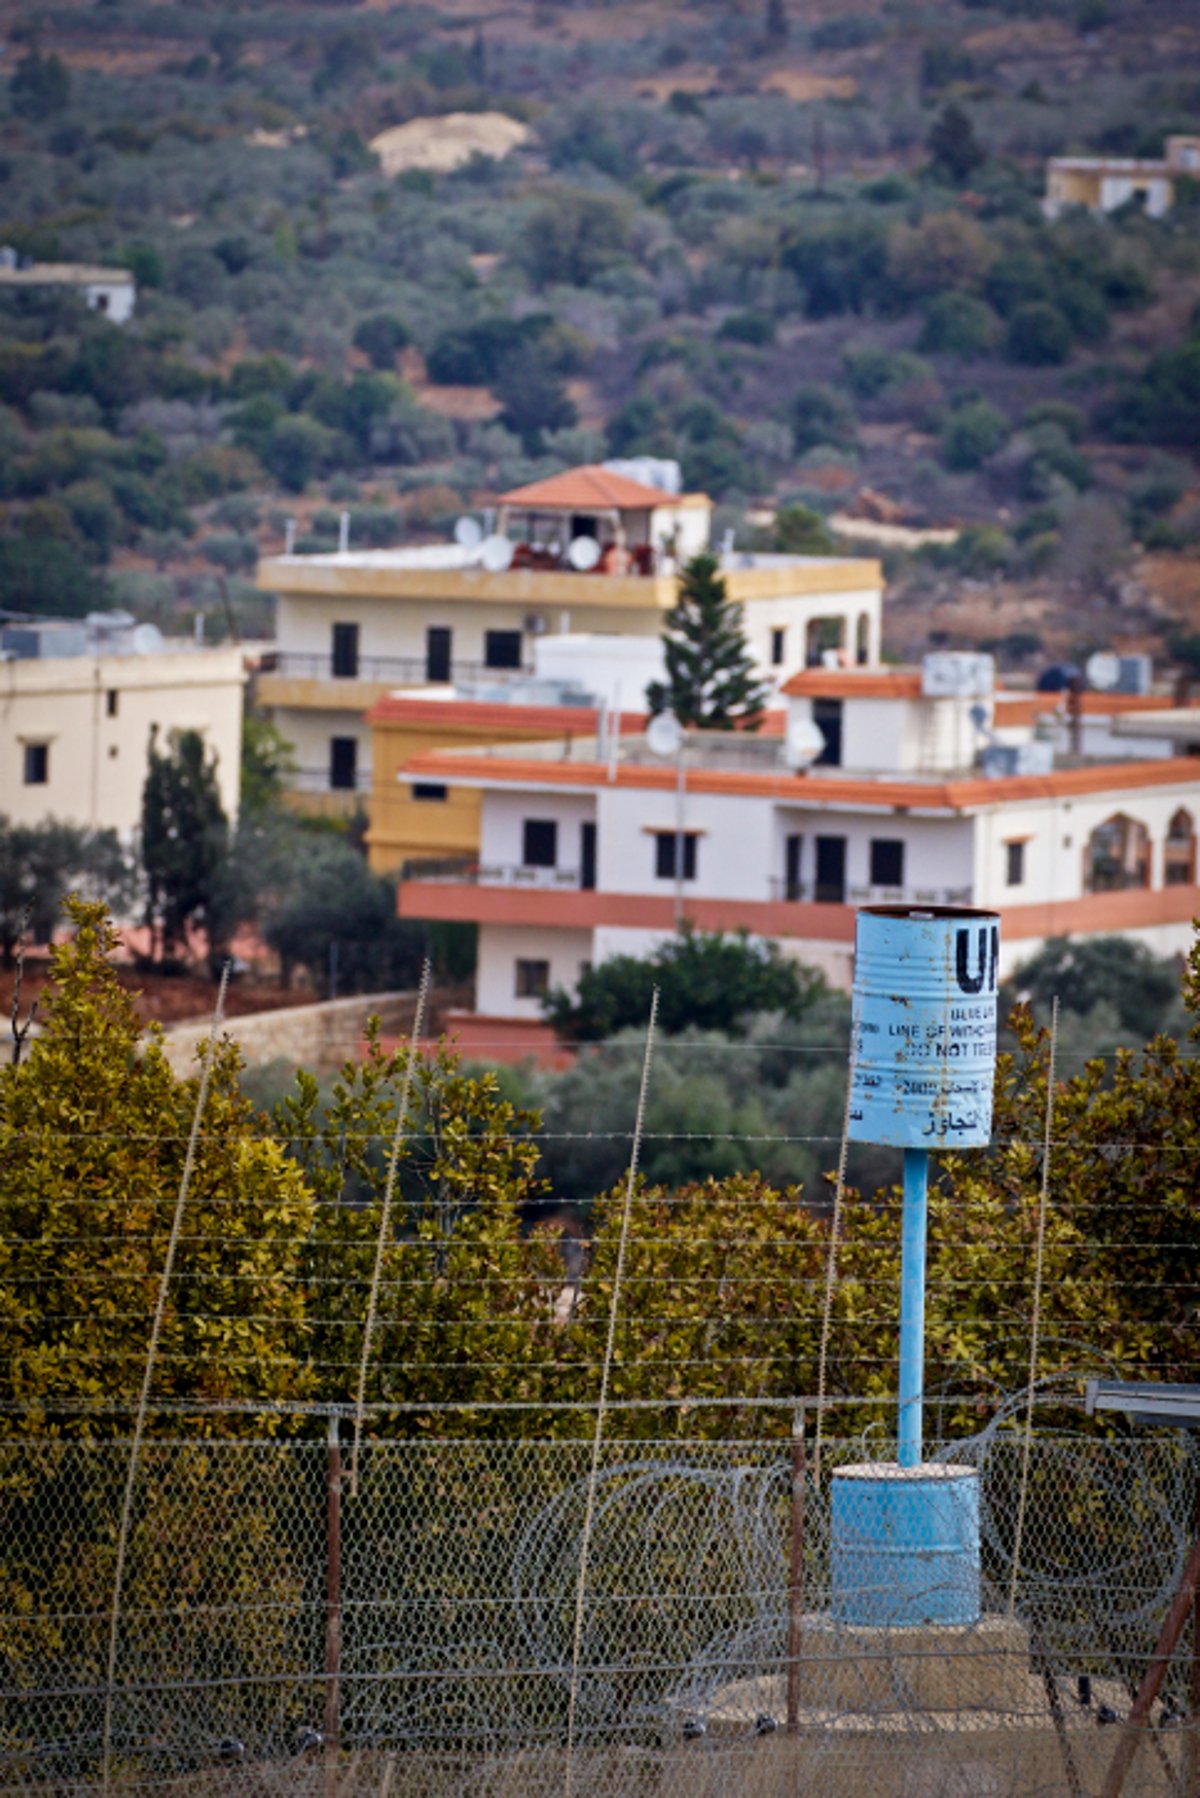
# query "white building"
(76, 715)
(589, 554)
(112, 291)
(1102, 183)
(921, 794)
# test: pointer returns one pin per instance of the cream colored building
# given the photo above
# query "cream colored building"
(588, 552)
(75, 729)
(1102, 183)
(112, 291)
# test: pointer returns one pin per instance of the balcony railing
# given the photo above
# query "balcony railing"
(805, 892)
(316, 780)
(390, 670)
(458, 871)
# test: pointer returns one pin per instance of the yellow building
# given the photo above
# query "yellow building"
(1102, 183)
(421, 820)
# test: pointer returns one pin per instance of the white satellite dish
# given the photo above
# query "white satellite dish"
(803, 743)
(147, 640)
(664, 735)
(583, 553)
(496, 554)
(1103, 670)
(468, 533)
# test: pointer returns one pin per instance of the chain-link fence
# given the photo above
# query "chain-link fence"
(280, 1634)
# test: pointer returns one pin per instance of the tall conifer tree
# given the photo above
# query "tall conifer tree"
(710, 682)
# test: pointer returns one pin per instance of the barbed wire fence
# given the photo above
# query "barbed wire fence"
(634, 1608)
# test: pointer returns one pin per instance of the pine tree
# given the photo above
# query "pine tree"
(710, 673)
(955, 149)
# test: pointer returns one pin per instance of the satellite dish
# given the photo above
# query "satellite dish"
(583, 553)
(664, 735)
(496, 554)
(1103, 670)
(467, 533)
(803, 743)
(147, 640)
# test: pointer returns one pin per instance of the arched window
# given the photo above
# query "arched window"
(1117, 856)
(1179, 851)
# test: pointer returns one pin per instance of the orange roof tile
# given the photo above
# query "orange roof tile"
(1023, 708)
(589, 488)
(854, 683)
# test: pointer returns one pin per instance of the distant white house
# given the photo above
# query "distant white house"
(112, 291)
(1102, 183)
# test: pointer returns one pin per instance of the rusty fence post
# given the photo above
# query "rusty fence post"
(1182, 1605)
(333, 1605)
(796, 1573)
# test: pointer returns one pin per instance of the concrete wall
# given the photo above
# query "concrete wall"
(501, 946)
(317, 1037)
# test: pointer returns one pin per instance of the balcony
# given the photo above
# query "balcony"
(310, 793)
(462, 871)
(389, 671)
(804, 892)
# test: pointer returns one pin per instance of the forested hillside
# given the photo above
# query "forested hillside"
(800, 248)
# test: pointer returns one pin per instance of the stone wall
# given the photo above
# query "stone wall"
(317, 1037)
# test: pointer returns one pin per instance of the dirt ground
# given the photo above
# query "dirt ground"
(162, 998)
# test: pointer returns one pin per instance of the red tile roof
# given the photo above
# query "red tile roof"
(855, 683)
(588, 488)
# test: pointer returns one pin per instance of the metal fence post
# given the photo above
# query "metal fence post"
(796, 1573)
(1192, 1780)
(333, 1605)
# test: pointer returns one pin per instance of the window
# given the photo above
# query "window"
(664, 854)
(345, 652)
(887, 862)
(778, 639)
(1014, 864)
(343, 763)
(428, 789)
(1179, 851)
(539, 844)
(112, 702)
(502, 649)
(1117, 856)
(37, 764)
(533, 979)
(438, 640)
(827, 716)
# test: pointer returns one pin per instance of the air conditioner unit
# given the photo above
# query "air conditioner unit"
(535, 624)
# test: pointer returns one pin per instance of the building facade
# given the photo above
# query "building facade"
(1102, 183)
(75, 727)
(588, 553)
(112, 291)
(582, 857)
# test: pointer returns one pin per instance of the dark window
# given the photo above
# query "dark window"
(437, 653)
(1014, 857)
(830, 882)
(37, 764)
(793, 850)
(101, 302)
(112, 701)
(533, 979)
(502, 649)
(827, 716)
(664, 854)
(345, 651)
(428, 789)
(587, 856)
(539, 846)
(584, 524)
(778, 638)
(343, 763)
(887, 862)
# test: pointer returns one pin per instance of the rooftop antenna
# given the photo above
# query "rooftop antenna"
(289, 536)
(343, 533)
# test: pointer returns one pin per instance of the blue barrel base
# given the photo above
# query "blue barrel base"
(905, 1545)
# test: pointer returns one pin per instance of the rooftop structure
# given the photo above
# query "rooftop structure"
(591, 553)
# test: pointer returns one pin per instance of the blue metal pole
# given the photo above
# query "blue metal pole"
(912, 1304)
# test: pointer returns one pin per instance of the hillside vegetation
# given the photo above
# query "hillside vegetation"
(799, 248)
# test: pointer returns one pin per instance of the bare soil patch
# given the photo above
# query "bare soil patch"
(448, 141)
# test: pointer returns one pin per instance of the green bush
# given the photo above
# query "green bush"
(747, 327)
(958, 324)
(972, 434)
(1038, 334)
(821, 415)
